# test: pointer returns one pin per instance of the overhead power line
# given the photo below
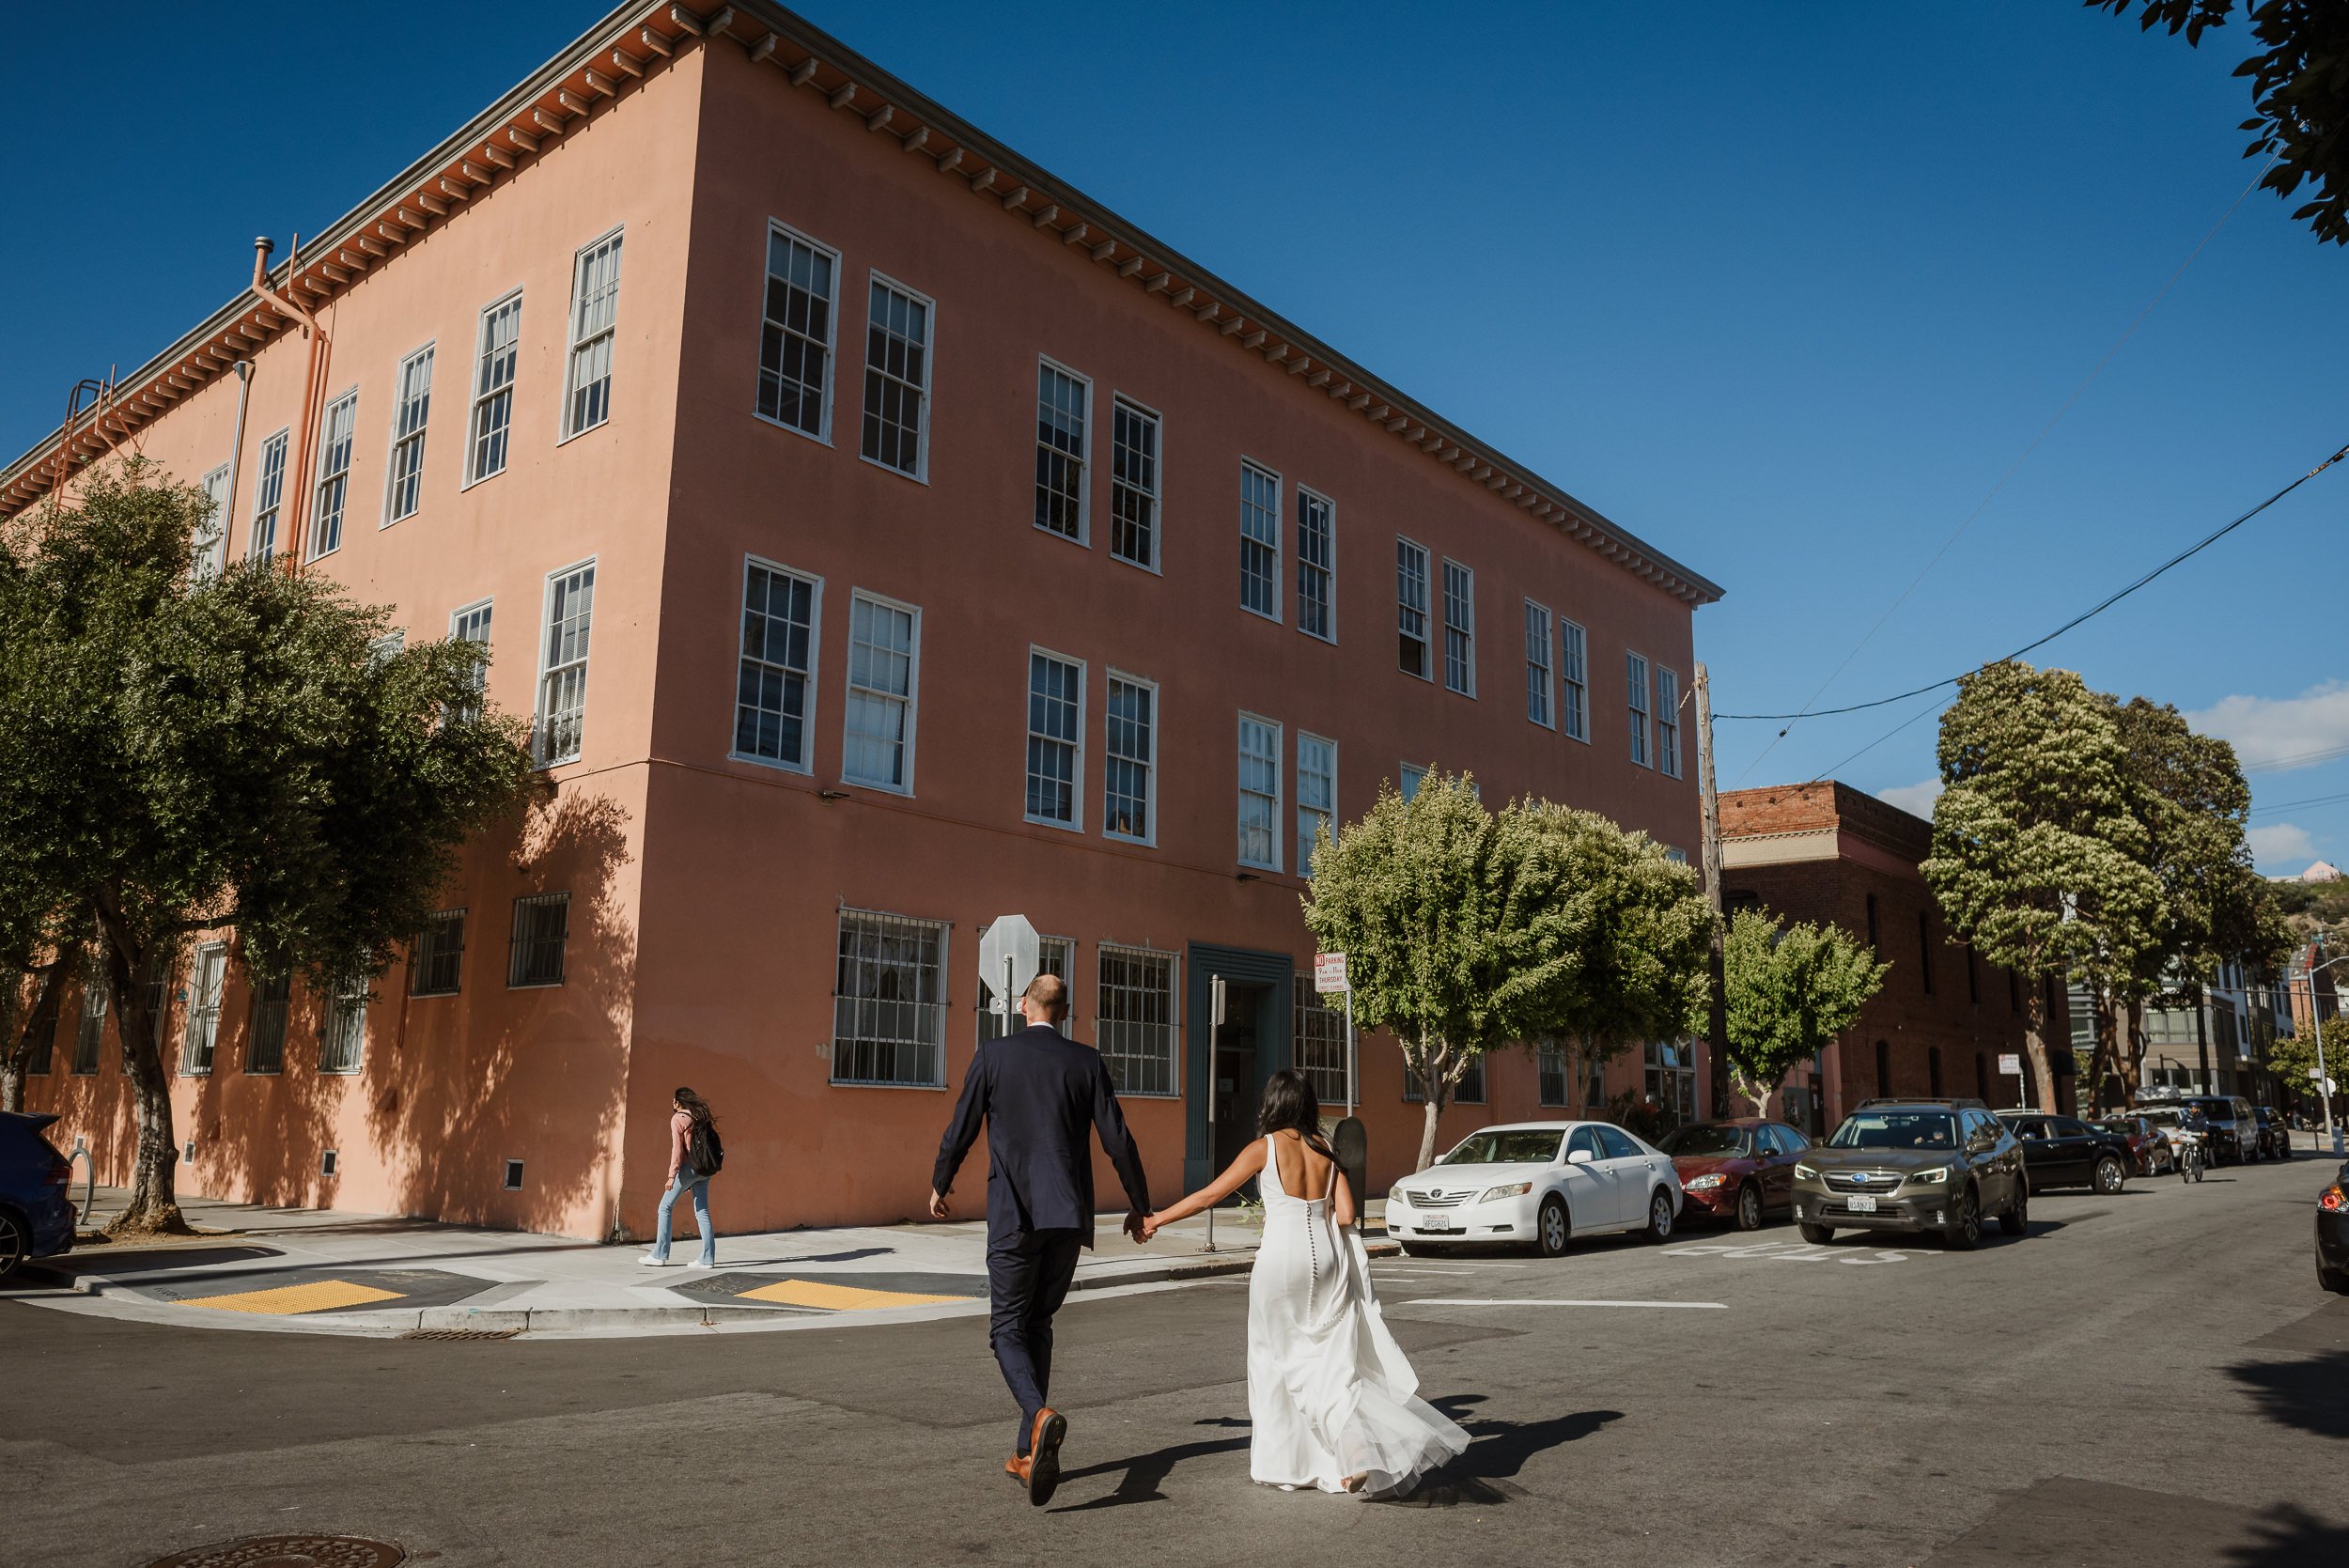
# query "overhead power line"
(2092, 612)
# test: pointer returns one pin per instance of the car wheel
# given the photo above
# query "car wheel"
(1749, 1207)
(2016, 1219)
(1659, 1216)
(1964, 1233)
(2109, 1176)
(1817, 1236)
(1552, 1229)
(16, 1244)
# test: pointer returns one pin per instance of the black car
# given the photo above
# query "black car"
(2064, 1150)
(2274, 1134)
(2332, 1235)
(36, 1215)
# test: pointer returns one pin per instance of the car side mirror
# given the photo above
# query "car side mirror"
(1982, 1143)
(1579, 1156)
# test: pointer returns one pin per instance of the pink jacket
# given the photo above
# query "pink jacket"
(680, 1127)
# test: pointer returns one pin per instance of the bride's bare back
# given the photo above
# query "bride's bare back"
(1305, 1171)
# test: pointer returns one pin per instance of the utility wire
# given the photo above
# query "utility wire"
(2099, 608)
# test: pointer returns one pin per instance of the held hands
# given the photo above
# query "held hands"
(1139, 1226)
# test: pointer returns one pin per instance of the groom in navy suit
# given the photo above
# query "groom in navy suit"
(1037, 1090)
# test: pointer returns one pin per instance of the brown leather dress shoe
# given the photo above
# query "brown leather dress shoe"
(1017, 1468)
(1043, 1461)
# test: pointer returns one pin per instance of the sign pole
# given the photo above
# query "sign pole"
(1215, 1068)
(1349, 1051)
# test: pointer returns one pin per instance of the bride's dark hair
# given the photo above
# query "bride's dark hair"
(1291, 1106)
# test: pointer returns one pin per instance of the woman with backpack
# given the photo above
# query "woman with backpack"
(694, 1157)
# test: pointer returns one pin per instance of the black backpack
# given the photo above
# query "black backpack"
(705, 1154)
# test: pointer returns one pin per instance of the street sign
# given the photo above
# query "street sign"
(1010, 954)
(2313, 1073)
(1328, 972)
(2010, 1064)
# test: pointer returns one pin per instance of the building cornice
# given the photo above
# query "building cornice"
(638, 40)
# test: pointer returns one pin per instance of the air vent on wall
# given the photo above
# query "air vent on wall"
(327, 1162)
(187, 1152)
(513, 1176)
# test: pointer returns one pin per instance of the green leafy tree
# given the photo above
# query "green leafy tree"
(1791, 990)
(1465, 931)
(2037, 859)
(181, 753)
(2299, 92)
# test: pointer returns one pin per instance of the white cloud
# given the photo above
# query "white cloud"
(2270, 730)
(2283, 843)
(1917, 799)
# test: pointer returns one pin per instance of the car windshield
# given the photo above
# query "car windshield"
(2173, 1118)
(1506, 1148)
(1707, 1140)
(2216, 1111)
(2125, 1130)
(1896, 1129)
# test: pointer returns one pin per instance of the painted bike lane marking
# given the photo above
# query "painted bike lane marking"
(1799, 1251)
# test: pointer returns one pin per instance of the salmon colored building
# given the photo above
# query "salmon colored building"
(885, 536)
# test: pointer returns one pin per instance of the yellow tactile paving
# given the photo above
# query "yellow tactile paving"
(322, 1295)
(838, 1298)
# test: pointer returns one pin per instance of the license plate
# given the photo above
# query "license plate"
(1861, 1203)
(1437, 1222)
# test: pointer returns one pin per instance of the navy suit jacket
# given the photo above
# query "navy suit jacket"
(1042, 1096)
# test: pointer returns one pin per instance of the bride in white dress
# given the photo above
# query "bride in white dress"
(1333, 1401)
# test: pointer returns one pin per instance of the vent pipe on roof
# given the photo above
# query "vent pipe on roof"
(298, 480)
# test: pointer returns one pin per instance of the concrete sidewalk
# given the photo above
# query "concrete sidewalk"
(320, 1271)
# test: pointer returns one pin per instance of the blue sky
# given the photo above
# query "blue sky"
(1785, 290)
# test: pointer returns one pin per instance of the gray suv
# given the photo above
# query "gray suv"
(1914, 1165)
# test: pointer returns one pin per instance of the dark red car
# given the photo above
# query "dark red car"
(1741, 1170)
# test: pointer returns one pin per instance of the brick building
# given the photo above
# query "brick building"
(1827, 852)
(884, 537)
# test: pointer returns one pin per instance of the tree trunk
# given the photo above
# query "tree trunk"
(2036, 1041)
(19, 1055)
(2133, 1062)
(154, 1203)
(1758, 1092)
(2107, 1049)
(1438, 1086)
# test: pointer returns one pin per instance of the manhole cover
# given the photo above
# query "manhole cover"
(289, 1551)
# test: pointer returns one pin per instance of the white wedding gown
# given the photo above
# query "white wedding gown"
(1329, 1393)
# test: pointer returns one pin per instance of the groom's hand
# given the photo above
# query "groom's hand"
(937, 1207)
(1138, 1225)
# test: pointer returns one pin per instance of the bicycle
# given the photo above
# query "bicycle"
(2191, 1160)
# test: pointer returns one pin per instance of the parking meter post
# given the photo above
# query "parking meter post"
(1215, 1069)
(1349, 1051)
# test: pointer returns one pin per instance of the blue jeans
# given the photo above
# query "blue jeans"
(679, 1186)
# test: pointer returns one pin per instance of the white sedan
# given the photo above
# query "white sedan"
(1538, 1184)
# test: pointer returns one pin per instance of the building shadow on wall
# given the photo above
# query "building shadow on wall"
(533, 1073)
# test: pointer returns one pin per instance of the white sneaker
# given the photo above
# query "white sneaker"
(648, 1261)
(699, 1263)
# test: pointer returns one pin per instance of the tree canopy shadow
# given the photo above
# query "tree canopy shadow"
(2290, 1537)
(2310, 1393)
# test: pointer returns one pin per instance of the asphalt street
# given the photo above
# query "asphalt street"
(2148, 1378)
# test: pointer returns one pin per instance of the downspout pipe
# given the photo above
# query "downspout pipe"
(236, 455)
(296, 546)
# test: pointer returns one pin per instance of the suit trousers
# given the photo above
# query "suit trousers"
(1028, 1276)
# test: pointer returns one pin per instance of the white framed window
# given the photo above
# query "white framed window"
(265, 1042)
(1574, 681)
(472, 625)
(1316, 794)
(90, 1033)
(1055, 955)
(1259, 792)
(1134, 458)
(411, 409)
(1063, 410)
(202, 1028)
(1408, 778)
(1537, 693)
(1134, 993)
(898, 378)
(384, 649)
(493, 387)
(1667, 695)
(884, 682)
(343, 1033)
(1317, 564)
(562, 708)
(437, 965)
(269, 497)
(1635, 668)
(1056, 696)
(1259, 541)
(594, 327)
(889, 1002)
(1130, 727)
(1459, 628)
(1317, 1032)
(795, 331)
(212, 534)
(336, 429)
(1410, 605)
(774, 688)
(539, 941)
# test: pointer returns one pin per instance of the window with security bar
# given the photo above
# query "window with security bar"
(889, 1002)
(1129, 782)
(1316, 565)
(594, 327)
(1133, 483)
(1135, 995)
(562, 713)
(494, 388)
(89, 1033)
(1537, 697)
(1459, 628)
(1056, 956)
(336, 429)
(1319, 1032)
(795, 344)
(772, 697)
(897, 379)
(412, 410)
(1574, 682)
(1470, 1089)
(536, 951)
(202, 1029)
(212, 534)
(265, 1030)
(269, 497)
(1055, 756)
(343, 1032)
(1550, 1061)
(436, 964)
(1410, 600)
(1063, 408)
(1259, 541)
